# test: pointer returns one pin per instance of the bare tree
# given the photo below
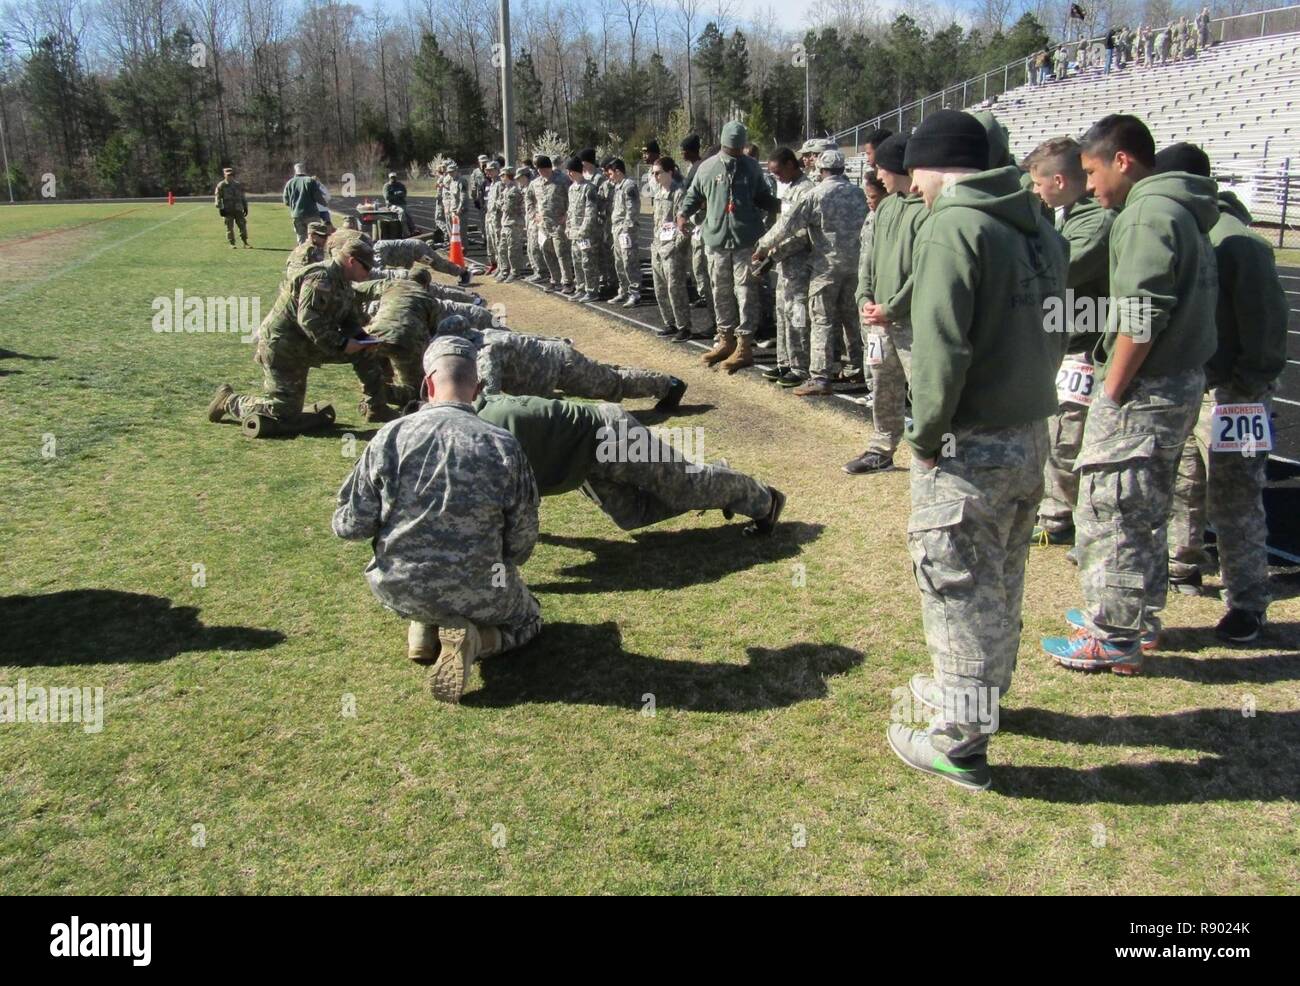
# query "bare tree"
(633, 11)
(687, 14)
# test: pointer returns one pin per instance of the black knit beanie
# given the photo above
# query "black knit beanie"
(890, 153)
(948, 139)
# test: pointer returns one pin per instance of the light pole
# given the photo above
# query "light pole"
(807, 94)
(507, 86)
(4, 143)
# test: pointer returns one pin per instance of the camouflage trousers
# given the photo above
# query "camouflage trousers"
(1126, 473)
(284, 386)
(1060, 484)
(477, 316)
(1227, 489)
(831, 312)
(577, 375)
(408, 374)
(639, 493)
(699, 264)
(300, 226)
(510, 249)
(607, 257)
(554, 246)
(792, 318)
(627, 261)
(231, 222)
(668, 271)
(889, 382)
(968, 535)
(535, 259)
(586, 263)
(440, 263)
(491, 238)
(513, 635)
(736, 303)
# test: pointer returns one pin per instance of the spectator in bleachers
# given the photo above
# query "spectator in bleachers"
(1203, 27)
(1164, 42)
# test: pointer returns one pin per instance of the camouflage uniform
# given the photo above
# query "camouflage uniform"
(968, 535)
(521, 364)
(553, 199)
(1086, 227)
(303, 255)
(492, 222)
(401, 254)
(311, 321)
(404, 318)
(531, 211)
(510, 246)
(231, 202)
(449, 504)
(833, 212)
(455, 199)
(887, 280)
(583, 225)
(603, 243)
(793, 258)
(624, 209)
(637, 494)
(668, 258)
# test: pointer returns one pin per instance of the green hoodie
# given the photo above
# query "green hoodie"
(986, 263)
(885, 271)
(1252, 312)
(1086, 227)
(558, 437)
(736, 201)
(1163, 285)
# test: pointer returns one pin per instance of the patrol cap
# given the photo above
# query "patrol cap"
(452, 325)
(482, 158)
(448, 346)
(392, 174)
(318, 228)
(830, 160)
(452, 166)
(227, 171)
(735, 136)
(491, 166)
(357, 247)
(509, 169)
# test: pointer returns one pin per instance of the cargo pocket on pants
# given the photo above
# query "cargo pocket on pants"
(939, 559)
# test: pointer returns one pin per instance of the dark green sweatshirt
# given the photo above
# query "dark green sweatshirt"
(736, 201)
(986, 264)
(1163, 285)
(885, 271)
(1252, 313)
(1086, 227)
(558, 437)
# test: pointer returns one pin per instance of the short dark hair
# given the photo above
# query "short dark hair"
(873, 180)
(1183, 157)
(878, 136)
(651, 145)
(587, 154)
(542, 161)
(1120, 132)
(616, 164)
(666, 163)
(783, 155)
(573, 164)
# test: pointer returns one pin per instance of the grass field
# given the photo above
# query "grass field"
(264, 733)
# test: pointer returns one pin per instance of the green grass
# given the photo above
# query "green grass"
(224, 704)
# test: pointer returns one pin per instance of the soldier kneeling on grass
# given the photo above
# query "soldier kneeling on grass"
(449, 503)
(315, 320)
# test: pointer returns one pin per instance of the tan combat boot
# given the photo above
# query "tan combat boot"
(217, 409)
(742, 357)
(724, 347)
(422, 643)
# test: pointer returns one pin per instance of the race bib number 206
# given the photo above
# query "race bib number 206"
(1240, 428)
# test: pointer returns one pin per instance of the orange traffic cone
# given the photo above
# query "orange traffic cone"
(455, 252)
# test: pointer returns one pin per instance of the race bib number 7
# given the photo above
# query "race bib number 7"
(1240, 428)
(875, 351)
(1074, 383)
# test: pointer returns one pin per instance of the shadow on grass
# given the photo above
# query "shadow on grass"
(584, 664)
(104, 626)
(1223, 665)
(1246, 758)
(10, 354)
(673, 559)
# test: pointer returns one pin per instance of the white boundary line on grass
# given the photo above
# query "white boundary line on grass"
(30, 285)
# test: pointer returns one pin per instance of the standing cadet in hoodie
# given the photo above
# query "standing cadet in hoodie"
(730, 185)
(1228, 486)
(1150, 371)
(1060, 182)
(832, 212)
(986, 264)
(884, 298)
(625, 207)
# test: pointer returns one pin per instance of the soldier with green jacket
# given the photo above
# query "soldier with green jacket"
(1057, 173)
(232, 205)
(1226, 486)
(1150, 369)
(731, 187)
(315, 320)
(986, 264)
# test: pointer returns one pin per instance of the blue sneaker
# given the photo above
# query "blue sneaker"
(1084, 652)
(1150, 640)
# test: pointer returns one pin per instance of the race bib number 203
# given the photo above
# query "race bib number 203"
(1074, 383)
